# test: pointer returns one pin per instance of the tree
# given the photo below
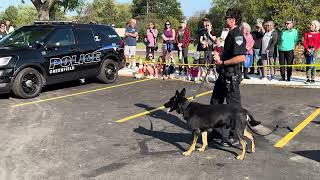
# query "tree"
(123, 14)
(302, 11)
(11, 13)
(161, 8)
(45, 6)
(105, 10)
(26, 15)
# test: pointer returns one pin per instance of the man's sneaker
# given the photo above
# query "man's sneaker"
(308, 81)
(246, 77)
(271, 78)
(282, 79)
(230, 142)
(312, 81)
(288, 80)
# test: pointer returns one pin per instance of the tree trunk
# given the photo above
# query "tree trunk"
(43, 8)
(43, 14)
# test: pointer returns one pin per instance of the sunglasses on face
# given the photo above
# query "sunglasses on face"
(287, 23)
(168, 24)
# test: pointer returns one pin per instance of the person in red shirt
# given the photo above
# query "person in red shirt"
(183, 41)
(311, 45)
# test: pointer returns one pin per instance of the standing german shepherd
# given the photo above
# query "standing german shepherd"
(202, 117)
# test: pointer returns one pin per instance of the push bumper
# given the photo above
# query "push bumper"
(5, 80)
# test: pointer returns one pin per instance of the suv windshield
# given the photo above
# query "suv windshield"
(26, 37)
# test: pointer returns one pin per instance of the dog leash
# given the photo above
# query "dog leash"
(198, 90)
(276, 128)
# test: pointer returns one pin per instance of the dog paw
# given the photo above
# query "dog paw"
(240, 157)
(186, 153)
(200, 149)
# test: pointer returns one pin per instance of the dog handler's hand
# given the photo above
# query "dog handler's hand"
(217, 59)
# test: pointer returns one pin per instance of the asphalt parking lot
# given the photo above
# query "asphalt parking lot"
(96, 131)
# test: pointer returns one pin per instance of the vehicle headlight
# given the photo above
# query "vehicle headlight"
(5, 60)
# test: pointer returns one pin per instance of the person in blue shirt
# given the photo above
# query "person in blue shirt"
(131, 36)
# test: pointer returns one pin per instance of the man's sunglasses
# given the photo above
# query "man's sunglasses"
(168, 24)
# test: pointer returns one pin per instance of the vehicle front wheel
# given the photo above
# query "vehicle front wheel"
(27, 84)
(109, 71)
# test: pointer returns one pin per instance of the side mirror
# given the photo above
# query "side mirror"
(53, 45)
(39, 44)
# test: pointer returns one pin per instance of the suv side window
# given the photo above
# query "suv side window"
(107, 34)
(62, 37)
(84, 35)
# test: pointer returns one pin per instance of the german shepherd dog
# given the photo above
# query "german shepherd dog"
(202, 117)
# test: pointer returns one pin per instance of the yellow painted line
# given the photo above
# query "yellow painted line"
(159, 108)
(291, 135)
(77, 94)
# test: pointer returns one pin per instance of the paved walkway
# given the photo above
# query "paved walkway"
(296, 81)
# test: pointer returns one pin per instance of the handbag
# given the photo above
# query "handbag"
(155, 41)
(146, 41)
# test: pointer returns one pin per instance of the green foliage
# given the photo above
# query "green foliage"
(21, 15)
(160, 8)
(123, 14)
(27, 14)
(302, 11)
(11, 14)
(107, 12)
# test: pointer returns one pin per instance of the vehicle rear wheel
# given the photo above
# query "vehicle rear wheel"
(27, 84)
(109, 71)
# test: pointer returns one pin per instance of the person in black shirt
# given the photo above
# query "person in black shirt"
(257, 37)
(227, 85)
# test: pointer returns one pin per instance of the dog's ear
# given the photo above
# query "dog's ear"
(177, 92)
(183, 92)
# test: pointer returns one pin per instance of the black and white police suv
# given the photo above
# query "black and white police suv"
(54, 52)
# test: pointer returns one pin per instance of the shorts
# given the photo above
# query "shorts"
(130, 51)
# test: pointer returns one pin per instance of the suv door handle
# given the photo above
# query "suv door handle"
(73, 50)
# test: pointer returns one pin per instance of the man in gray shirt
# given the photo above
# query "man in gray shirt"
(269, 42)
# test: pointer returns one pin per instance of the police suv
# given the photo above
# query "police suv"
(54, 52)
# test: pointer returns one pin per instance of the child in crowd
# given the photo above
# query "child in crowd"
(149, 67)
(159, 68)
(194, 71)
(219, 46)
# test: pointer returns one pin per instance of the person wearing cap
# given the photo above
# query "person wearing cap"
(288, 40)
(182, 41)
(227, 86)
(257, 37)
(311, 43)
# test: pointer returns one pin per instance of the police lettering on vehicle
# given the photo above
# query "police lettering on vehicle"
(68, 63)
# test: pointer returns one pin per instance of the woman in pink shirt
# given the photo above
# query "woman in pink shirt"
(249, 46)
(151, 37)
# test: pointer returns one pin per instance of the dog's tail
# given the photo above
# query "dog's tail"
(253, 123)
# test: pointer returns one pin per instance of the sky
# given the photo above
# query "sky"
(189, 7)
